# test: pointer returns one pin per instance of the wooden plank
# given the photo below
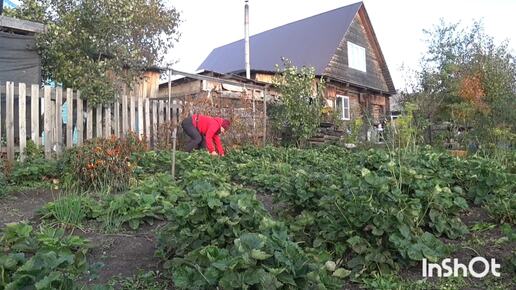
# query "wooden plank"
(168, 111)
(34, 112)
(116, 116)
(125, 123)
(98, 121)
(147, 121)
(140, 115)
(59, 120)
(89, 122)
(107, 118)
(47, 124)
(22, 25)
(69, 121)
(22, 118)
(161, 112)
(132, 109)
(80, 119)
(155, 122)
(9, 121)
(2, 91)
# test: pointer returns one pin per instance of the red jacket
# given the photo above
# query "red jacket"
(210, 128)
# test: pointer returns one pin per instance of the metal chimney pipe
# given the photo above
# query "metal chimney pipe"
(247, 54)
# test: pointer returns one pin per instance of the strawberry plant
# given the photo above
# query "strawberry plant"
(46, 259)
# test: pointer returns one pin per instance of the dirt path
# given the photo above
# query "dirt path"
(21, 206)
(124, 254)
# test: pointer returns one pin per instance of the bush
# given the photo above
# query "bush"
(102, 164)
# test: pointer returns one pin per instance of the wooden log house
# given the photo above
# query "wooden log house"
(340, 44)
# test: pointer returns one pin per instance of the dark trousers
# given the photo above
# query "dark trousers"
(196, 139)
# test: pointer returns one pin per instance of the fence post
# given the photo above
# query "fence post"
(59, 120)
(47, 122)
(22, 118)
(89, 121)
(265, 117)
(9, 122)
(107, 120)
(69, 121)
(141, 90)
(132, 121)
(125, 124)
(34, 112)
(80, 119)
(98, 121)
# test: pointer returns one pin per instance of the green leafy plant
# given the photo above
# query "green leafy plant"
(300, 107)
(102, 163)
(46, 259)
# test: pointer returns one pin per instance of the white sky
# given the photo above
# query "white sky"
(398, 24)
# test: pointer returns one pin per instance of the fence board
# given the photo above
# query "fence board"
(140, 115)
(47, 122)
(132, 108)
(22, 118)
(155, 122)
(89, 122)
(107, 120)
(161, 112)
(9, 122)
(58, 121)
(80, 119)
(147, 121)
(125, 125)
(98, 121)
(116, 116)
(34, 112)
(69, 121)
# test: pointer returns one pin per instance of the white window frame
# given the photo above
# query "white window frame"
(346, 110)
(356, 57)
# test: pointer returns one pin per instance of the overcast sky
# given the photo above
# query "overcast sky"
(398, 24)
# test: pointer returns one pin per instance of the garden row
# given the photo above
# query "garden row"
(343, 214)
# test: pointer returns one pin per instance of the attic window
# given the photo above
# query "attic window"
(356, 57)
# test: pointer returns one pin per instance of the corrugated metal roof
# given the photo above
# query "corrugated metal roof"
(308, 42)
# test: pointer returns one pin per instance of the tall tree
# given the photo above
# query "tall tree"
(95, 45)
(466, 78)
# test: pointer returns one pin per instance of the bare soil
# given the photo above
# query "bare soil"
(22, 206)
(122, 254)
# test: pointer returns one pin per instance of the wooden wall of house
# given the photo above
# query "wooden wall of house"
(338, 67)
(360, 100)
(263, 77)
(186, 88)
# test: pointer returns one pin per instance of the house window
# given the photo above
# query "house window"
(356, 57)
(342, 107)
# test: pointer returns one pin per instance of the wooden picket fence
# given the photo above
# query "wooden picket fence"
(28, 112)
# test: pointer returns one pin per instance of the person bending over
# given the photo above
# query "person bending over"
(205, 130)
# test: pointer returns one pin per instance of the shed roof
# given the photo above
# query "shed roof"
(308, 42)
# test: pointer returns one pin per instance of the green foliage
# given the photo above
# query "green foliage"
(46, 259)
(468, 80)
(143, 203)
(142, 281)
(34, 170)
(67, 210)
(300, 109)
(375, 210)
(102, 164)
(95, 45)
